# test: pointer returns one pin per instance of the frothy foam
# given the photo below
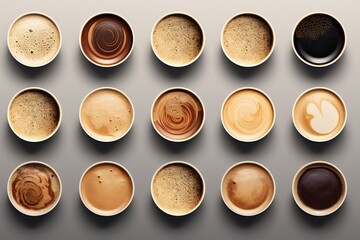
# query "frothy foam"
(34, 40)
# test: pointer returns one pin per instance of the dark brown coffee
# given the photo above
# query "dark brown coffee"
(178, 114)
(34, 188)
(106, 39)
(319, 188)
(319, 39)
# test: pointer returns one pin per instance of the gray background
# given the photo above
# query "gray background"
(283, 77)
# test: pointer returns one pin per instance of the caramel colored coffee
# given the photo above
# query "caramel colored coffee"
(106, 114)
(34, 115)
(34, 188)
(106, 188)
(177, 189)
(106, 39)
(177, 39)
(319, 188)
(319, 114)
(34, 40)
(178, 114)
(247, 39)
(248, 189)
(248, 115)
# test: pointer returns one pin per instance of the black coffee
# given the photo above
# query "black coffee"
(319, 188)
(319, 39)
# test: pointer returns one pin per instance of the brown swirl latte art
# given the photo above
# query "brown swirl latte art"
(178, 114)
(106, 39)
(35, 187)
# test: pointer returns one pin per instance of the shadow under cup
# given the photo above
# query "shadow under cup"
(319, 39)
(106, 39)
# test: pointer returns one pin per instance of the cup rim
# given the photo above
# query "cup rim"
(319, 213)
(118, 91)
(180, 163)
(202, 33)
(243, 163)
(34, 89)
(271, 103)
(272, 33)
(93, 210)
(45, 16)
(328, 63)
(15, 205)
(328, 90)
(180, 89)
(114, 64)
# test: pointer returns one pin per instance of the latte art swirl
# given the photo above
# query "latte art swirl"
(106, 39)
(178, 114)
(248, 114)
(32, 188)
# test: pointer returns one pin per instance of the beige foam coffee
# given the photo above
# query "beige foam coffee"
(106, 188)
(248, 188)
(248, 39)
(34, 114)
(34, 39)
(106, 114)
(248, 114)
(319, 114)
(177, 39)
(177, 188)
(34, 188)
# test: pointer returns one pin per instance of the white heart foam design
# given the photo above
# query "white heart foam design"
(325, 119)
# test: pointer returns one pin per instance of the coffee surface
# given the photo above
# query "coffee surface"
(34, 114)
(319, 114)
(319, 39)
(247, 39)
(177, 188)
(248, 188)
(248, 114)
(107, 39)
(34, 187)
(177, 39)
(178, 114)
(106, 114)
(319, 188)
(106, 188)
(34, 39)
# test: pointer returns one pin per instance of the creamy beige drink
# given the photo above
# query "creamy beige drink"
(106, 114)
(248, 114)
(319, 114)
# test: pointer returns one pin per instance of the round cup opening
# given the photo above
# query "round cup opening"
(106, 39)
(177, 39)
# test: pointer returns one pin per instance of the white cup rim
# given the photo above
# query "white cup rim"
(253, 89)
(202, 33)
(120, 92)
(272, 33)
(34, 213)
(328, 90)
(107, 65)
(45, 16)
(319, 213)
(256, 164)
(180, 89)
(103, 214)
(312, 64)
(180, 163)
(34, 89)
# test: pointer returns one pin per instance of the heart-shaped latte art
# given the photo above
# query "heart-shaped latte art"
(325, 119)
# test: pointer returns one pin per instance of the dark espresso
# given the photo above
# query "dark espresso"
(319, 39)
(106, 39)
(319, 188)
